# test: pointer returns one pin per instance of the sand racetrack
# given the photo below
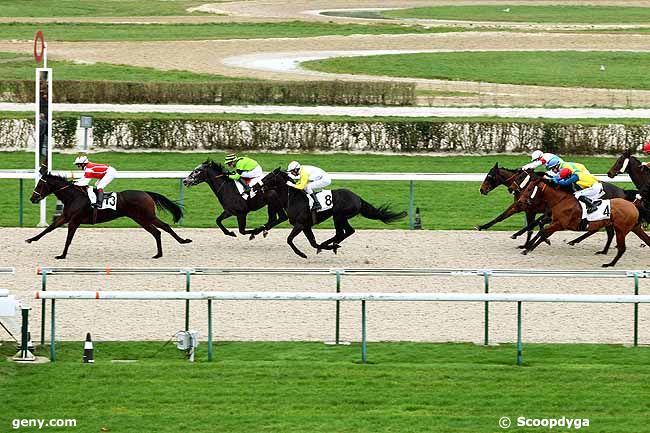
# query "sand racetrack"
(290, 320)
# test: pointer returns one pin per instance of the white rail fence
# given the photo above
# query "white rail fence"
(21, 175)
(308, 296)
(339, 273)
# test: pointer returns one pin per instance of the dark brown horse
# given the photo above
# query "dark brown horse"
(140, 206)
(639, 173)
(515, 181)
(566, 212)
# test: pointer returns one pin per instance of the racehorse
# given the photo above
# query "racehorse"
(639, 173)
(566, 212)
(140, 206)
(515, 180)
(233, 203)
(345, 205)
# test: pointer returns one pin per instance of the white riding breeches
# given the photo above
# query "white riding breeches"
(108, 177)
(319, 183)
(594, 192)
(253, 174)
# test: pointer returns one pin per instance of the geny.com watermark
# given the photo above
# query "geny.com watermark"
(40, 423)
(564, 422)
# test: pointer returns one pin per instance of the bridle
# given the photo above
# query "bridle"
(53, 192)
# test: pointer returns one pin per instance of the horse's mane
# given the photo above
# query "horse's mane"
(214, 165)
(61, 178)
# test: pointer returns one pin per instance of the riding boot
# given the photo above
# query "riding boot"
(587, 201)
(316, 207)
(100, 199)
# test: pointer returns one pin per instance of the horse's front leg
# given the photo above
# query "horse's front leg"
(512, 209)
(295, 232)
(241, 224)
(72, 228)
(58, 222)
(225, 214)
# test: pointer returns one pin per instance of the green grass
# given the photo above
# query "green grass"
(24, 70)
(178, 32)
(310, 387)
(537, 14)
(97, 8)
(438, 201)
(624, 70)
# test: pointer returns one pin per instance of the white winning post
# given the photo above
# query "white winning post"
(40, 53)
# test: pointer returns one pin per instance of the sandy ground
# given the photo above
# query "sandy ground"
(291, 320)
(225, 56)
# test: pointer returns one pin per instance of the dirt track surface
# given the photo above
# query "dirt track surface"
(217, 56)
(291, 320)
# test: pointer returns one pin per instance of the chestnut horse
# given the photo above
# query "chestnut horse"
(566, 212)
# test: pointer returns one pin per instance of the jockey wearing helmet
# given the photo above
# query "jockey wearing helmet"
(308, 178)
(246, 170)
(102, 172)
(539, 158)
(587, 187)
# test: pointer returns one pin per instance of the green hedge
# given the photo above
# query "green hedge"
(374, 136)
(226, 92)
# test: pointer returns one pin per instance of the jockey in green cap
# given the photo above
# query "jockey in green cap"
(246, 170)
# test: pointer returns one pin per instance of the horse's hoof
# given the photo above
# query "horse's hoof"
(265, 233)
(303, 255)
(29, 241)
(478, 228)
(605, 265)
(547, 242)
(335, 249)
(513, 236)
(61, 257)
(521, 247)
(318, 250)
(157, 256)
(251, 237)
(600, 252)
(186, 241)
(232, 234)
(524, 252)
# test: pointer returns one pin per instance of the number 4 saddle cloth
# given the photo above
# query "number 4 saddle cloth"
(602, 213)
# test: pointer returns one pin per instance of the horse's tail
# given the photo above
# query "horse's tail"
(383, 213)
(163, 202)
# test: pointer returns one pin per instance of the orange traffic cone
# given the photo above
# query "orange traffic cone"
(88, 350)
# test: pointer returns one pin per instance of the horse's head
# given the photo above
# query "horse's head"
(621, 164)
(531, 194)
(47, 184)
(202, 172)
(490, 182)
(275, 179)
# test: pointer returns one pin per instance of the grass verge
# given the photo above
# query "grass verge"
(298, 387)
(622, 70)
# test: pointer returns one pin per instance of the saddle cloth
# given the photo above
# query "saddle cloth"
(109, 202)
(602, 213)
(251, 183)
(325, 199)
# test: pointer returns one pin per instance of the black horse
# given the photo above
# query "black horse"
(232, 202)
(140, 206)
(346, 205)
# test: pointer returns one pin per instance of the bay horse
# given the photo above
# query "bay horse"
(566, 213)
(140, 206)
(233, 203)
(346, 205)
(639, 173)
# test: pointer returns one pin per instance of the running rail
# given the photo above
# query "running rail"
(321, 296)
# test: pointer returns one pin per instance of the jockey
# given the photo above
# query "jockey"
(308, 178)
(102, 172)
(246, 170)
(539, 158)
(573, 174)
